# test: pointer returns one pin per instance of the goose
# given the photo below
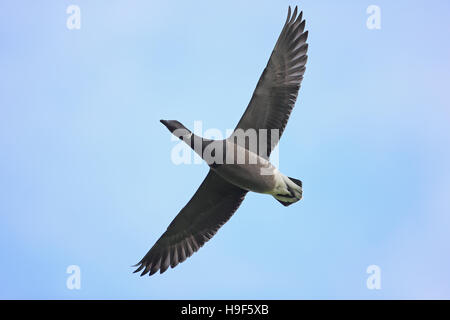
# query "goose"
(227, 182)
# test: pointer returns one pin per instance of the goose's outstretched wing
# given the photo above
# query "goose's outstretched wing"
(277, 89)
(211, 207)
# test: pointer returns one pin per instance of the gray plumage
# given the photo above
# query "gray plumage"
(225, 186)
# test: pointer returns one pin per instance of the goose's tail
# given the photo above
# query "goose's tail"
(293, 194)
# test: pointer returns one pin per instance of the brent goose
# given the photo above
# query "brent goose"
(229, 179)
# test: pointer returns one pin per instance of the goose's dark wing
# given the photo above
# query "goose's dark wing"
(277, 89)
(211, 206)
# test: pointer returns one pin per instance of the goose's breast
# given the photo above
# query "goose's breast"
(253, 177)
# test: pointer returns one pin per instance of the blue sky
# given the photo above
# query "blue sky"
(85, 171)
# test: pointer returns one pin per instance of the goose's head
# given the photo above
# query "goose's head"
(177, 128)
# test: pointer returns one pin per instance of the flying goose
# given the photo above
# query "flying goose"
(226, 184)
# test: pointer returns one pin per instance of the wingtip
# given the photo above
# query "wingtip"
(306, 33)
(161, 271)
(288, 15)
(146, 270)
(139, 266)
(294, 15)
(152, 272)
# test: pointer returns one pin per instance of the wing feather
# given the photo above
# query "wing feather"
(276, 92)
(211, 207)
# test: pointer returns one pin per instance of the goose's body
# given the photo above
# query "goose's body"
(227, 182)
(257, 174)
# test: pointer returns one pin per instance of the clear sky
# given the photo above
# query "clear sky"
(86, 176)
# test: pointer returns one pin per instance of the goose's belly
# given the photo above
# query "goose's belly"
(253, 177)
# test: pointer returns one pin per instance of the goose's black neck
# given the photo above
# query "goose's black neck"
(198, 144)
